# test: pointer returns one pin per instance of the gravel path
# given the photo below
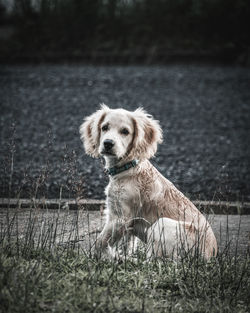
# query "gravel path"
(204, 111)
(231, 231)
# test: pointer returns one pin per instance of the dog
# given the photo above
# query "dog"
(138, 197)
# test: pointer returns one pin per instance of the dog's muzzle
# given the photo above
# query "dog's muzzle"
(108, 146)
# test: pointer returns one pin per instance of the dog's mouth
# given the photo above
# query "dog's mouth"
(109, 153)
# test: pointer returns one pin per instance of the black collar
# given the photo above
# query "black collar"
(112, 171)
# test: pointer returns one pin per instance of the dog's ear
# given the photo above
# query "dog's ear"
(90, 131)
(147, 135)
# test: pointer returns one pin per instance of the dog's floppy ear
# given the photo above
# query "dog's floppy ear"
(147, 135)
(90, 131)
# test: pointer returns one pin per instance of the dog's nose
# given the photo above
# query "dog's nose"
(108, 144)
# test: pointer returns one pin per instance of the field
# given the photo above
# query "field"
(45, 259)
(46, 266)
(203, 109)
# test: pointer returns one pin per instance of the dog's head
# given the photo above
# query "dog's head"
(121, 134)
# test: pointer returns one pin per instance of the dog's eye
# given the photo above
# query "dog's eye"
(124, 131)
(105, 128)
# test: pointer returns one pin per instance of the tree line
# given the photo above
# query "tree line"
(84, 26)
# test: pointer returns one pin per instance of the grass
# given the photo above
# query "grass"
(45, 267)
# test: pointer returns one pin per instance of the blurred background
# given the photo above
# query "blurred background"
(185, 61)
(125, 30)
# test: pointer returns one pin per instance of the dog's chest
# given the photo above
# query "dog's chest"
(120, 199)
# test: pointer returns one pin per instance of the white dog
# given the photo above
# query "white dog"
(138, 196)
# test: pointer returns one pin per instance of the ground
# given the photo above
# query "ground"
(204, 111)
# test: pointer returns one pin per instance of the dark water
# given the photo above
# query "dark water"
(204, 112)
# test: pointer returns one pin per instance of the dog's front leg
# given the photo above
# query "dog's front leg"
(112, 232)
